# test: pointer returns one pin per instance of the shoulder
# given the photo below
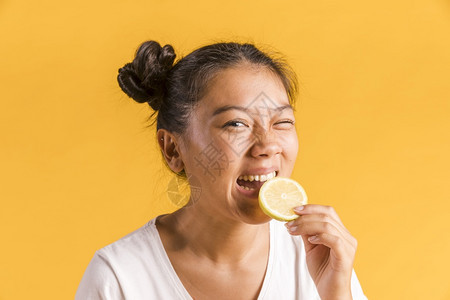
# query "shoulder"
(134, 252)
(99, 281)
(115, 265)
(134, 243)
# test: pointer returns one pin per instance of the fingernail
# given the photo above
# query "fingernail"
(299, 208)
(313, 238)
(289, 224)
(292, 229)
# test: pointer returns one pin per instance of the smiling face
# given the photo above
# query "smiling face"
(240, 134)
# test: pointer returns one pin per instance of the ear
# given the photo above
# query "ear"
(170, 150)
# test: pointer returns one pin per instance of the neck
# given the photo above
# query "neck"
(220, 240)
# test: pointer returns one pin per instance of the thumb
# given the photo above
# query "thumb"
(308, 246)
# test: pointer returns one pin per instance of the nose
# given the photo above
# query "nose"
(265, 144)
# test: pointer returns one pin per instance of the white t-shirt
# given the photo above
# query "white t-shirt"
(137, 267)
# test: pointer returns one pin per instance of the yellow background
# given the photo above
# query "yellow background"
(80, 170)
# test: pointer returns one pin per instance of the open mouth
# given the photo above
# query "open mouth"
(254, 182)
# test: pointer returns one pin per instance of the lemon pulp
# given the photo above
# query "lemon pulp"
(279, 195)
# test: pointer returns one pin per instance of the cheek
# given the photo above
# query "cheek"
(290, 151)
(289, 142)
(209, 160)
(294, 145)
(235, 142)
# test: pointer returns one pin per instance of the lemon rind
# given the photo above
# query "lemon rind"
(274, 214)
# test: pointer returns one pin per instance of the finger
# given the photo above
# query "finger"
(336, 244)
(324, 219)
(316, 226)
(313, 228)
(319, 209)
(310, 209)
(324, 234)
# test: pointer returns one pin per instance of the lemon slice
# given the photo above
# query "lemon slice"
(279, 195)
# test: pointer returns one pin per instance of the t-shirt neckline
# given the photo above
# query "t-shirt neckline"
(170, 270)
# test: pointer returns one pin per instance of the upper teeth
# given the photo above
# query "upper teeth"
(263, 177)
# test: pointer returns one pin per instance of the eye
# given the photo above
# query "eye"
(284, 124)
(235, 124)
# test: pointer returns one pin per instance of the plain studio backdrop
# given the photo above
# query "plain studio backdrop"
(79, 169)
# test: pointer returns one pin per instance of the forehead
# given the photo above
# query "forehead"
(249, 87)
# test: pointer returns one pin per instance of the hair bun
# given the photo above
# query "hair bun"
(144, 78)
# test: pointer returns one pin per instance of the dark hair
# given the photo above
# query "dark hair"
(173, 90)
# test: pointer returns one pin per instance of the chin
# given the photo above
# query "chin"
(254, 218)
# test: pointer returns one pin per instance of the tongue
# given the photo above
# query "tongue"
(250, 184)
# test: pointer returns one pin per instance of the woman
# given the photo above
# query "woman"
(225, 122)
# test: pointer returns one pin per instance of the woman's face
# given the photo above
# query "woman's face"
(240, 134)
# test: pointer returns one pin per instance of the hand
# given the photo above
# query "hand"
(330, 249)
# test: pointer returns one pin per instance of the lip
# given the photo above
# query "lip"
(260, 171)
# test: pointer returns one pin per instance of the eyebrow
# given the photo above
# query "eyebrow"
(245, 109)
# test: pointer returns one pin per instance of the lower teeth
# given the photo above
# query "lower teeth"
(247, 188)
